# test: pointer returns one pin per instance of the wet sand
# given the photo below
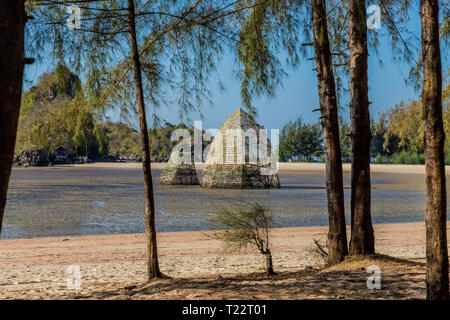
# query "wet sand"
(113, 267)
(380, 168)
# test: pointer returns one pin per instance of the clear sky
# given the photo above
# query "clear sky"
(299, 95)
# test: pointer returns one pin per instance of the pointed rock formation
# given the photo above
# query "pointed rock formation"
(240, 156)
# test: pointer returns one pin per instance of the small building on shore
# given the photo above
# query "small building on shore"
(61, 155)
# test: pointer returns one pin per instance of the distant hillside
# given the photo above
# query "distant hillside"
(55, 113)
(125, 141)
(122, 140)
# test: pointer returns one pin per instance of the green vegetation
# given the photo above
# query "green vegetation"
(121, 139)
(300, 141)
(55, 113)
(397, 136)
(346, 141)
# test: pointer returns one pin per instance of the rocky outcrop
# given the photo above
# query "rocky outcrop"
(233, 166)
(33, 158)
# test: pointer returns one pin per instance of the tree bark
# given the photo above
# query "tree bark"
(12, 28)
(269, 263)
(362, 236)
(152, 253)
(337, 235)
(434, 136)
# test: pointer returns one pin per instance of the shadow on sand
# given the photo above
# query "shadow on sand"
(400, 279)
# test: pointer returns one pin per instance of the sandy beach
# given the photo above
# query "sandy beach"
(113, 267)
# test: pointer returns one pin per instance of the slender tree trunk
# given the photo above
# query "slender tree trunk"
(12, 26)
(436, 196)
(152, 253)
(269, 263)
(337, 234)
(362, 238)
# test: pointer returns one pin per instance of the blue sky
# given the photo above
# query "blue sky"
(299, 95)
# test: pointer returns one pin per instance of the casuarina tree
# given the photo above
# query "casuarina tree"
(362, 239)
(337, 236)
(12, 61)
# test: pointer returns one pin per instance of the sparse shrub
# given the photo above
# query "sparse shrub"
(380, 159)
(246, 224)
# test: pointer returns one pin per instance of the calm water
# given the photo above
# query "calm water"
(63, 201)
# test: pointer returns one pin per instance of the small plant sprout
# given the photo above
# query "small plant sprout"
(246, 224)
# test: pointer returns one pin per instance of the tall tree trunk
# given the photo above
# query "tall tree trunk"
(362, 237)
(337, 235)
(434, 136)
(12, 27)
(269, 263)
(152, 253)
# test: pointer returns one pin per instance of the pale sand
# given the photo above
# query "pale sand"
(111, 265)
(379, 168)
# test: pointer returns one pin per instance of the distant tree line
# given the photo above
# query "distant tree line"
(397, 136)
(300, 141)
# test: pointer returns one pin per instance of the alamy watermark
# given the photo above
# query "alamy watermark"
(373, 17)
(230, 146)
(374, 281)
(74, 20)
(73, 279)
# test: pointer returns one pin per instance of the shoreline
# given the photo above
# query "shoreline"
(195, 231)
(283, 166)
